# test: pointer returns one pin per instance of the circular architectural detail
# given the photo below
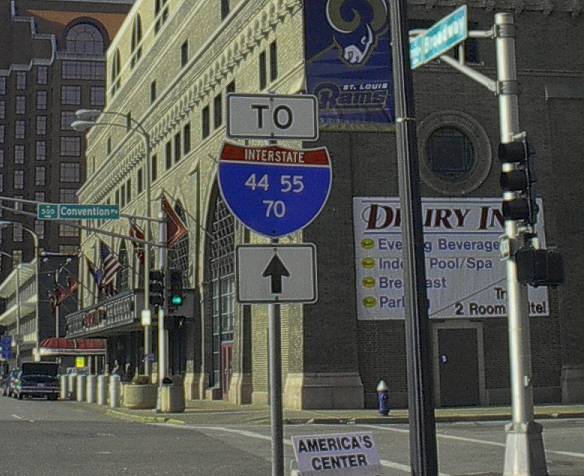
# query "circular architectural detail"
(455, 152)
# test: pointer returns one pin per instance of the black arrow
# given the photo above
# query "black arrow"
(276, 270)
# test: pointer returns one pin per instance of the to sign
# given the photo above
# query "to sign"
(337, 454)
(439, 38)
(276, 273)
(66, 211)
(253, 116)
(273, 190)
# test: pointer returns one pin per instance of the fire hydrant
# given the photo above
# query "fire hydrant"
(383, 398)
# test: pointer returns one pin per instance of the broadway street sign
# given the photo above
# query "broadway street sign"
(64, 211)
(439, 38)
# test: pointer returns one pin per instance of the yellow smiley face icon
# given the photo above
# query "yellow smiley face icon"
(368, 282)
(368, 263)
(369, 302)
(367, 244)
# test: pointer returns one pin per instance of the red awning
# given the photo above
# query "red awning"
(62, 346)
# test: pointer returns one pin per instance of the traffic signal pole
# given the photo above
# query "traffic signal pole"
(524, 449)
(163, 308)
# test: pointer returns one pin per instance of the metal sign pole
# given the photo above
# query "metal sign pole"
(276, 388)
(524, 450)
(423, 452)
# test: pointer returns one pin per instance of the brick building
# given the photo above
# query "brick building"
(52, 62)
(174, 78)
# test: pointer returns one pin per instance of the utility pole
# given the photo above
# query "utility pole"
(163, 308)
(423, 451)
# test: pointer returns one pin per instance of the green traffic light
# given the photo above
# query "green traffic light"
(176, 300)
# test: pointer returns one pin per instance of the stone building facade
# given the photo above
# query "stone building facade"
(171, 67)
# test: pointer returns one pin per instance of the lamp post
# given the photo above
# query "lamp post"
(35, 239)
(87, 118)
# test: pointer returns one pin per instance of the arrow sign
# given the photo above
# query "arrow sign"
(276, 270)
(276, 273)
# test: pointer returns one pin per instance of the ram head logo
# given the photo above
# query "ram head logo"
(357, 24)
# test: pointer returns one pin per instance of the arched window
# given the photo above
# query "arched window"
(116, 68)
(123, 278)
(222, 254)
(178, 255)
(136, 40)
(84, 39)
(160, 13)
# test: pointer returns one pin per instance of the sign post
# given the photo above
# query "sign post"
(274, 191)
(74, 211)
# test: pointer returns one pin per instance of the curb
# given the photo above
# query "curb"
(144, 418)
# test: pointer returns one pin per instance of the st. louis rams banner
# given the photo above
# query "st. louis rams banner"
(348, 60)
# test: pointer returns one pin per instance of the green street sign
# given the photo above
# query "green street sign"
(439, 38)
(64, 211)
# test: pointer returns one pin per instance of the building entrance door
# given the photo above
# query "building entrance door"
(459, 367)
(226, 367)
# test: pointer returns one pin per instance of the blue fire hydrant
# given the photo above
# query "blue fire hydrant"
(383, 398)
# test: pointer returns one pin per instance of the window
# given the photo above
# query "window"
(20, 104)
(39, 196)
(136, 49)
(72, 250)
(67, 195)
(117, 198)
(177, 147)
(1, 158)
(67, 118)
(84, 39)
(21, 80)
(273, 61)
(1, 189)
(19, 129)
(230, 87)
(42, 75)
(41, 100)
(2, 85)
(152, 91)
(17, 232)
(187, 138)
(206, 119)
(71, 95)
(97, 96)
(41, 150)
(161, 14)
(70, 172)
(129, 190)
(154, 165)
(184, 53)
(168, 155)
(2, 134)
(109, 145)
(450, 153)
(116, 69)
(18, 179)
(217, 111)
(71, 146)
(39, 227)
(140, 180)
(19, 154)
(263, 71)
(40, 176)
(224, 9)
(2, 109)
(16, 256)
(83, 70)
(41, 125)
(68, 231)
(123, 195)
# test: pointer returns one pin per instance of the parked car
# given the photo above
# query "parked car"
(38, 379)
(8, 383)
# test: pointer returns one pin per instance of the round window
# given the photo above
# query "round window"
(450, 153)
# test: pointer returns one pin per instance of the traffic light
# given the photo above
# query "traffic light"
(539, 267)
(156, 286)
(176, 293)
(518, 177)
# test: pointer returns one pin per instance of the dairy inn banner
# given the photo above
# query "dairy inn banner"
(348, 61)
(464, 271)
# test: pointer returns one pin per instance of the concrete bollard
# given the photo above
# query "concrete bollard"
(81, 387)
(114, 388)
(102, 384)
(91, 396)
(71, 386)
(63, 387)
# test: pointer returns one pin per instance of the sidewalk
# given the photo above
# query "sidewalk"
(217, 412)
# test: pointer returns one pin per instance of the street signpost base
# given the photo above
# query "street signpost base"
(524, 450)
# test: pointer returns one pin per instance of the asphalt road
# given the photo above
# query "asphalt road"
(38, 437)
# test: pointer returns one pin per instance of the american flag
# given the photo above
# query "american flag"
(109, 264)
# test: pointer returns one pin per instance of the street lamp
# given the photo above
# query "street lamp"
(35, 239)
(87, 118)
